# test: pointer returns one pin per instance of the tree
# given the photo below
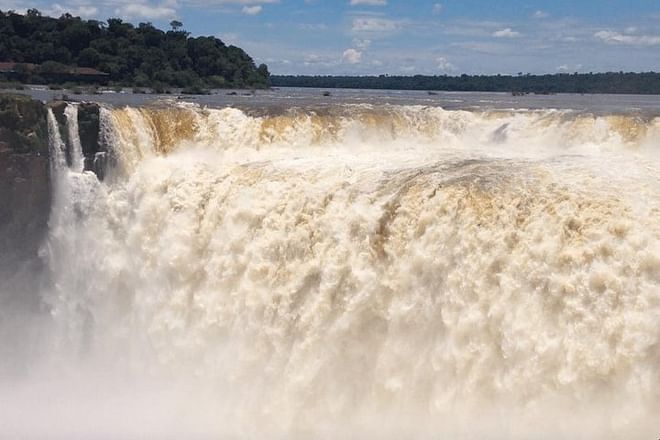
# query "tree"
(89, 57)
(176, 25)
(263, 70)
(129, 54)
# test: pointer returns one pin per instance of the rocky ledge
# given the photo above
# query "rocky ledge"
(24, 180)
(25, 184)
(88, 131)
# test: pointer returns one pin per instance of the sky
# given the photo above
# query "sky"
(397, 37)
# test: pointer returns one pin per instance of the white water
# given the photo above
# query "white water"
(370, 273)
(56, 146)
(77, 160)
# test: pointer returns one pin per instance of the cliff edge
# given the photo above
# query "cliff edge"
(24, 182)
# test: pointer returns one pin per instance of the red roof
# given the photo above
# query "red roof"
(11, 67)
(87, 71)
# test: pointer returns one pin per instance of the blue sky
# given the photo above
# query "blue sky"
(408, 37)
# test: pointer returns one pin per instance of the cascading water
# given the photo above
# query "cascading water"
(57, 148)
(74, 197)
(77, 160)
(357, 272)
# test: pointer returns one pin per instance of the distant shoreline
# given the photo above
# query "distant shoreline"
(646, 83)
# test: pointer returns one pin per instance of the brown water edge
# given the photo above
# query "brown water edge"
(276, 101)
(416, 267)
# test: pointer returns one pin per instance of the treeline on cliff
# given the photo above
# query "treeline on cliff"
(141, 55)
(611, 82)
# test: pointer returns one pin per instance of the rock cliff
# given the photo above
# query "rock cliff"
(25, 184)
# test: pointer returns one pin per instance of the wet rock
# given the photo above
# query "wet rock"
(25, 187)
(25, 191)
(24, 204)
(23, 127)
(58, 108)
(100, 164)
(88, 125)
(88, 129)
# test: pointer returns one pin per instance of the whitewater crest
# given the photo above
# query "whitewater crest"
(369, 270)
(165, 128)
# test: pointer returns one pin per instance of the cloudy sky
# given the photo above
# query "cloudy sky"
(408, 37)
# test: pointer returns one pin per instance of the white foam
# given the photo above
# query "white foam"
(420, 273)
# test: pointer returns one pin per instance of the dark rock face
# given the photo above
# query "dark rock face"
(25, 184)
(24, 205)
(88, 131)
(23, 126)
(88, 126)
(24, 173)
(25, 190)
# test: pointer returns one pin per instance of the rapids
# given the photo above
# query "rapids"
(355, 271)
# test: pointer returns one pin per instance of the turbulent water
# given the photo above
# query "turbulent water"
(355, 271)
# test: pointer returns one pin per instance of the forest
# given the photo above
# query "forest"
(611, 82)
(43, 49)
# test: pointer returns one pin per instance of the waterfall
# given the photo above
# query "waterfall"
(56, 145)
(75, 194)
(77, 159)
(359, 271)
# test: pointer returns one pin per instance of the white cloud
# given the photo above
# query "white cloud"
(222, 5)
(362, 44)
(351, 56)
(611, 37)
(374, 24)
(567, 68)
(489, 48)
(127, 9)
(369, 2)
(506, 33)
(232, 2)
(145, 10)
(84, 11)
(229, 38)
(471, 28)
(540, 14)
(252, 10)
(312, 58)
(320, 60)
(313, 26)
(444, 65)
(437, 9)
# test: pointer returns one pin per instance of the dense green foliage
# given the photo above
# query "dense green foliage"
(612, 82)
(142, 56)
